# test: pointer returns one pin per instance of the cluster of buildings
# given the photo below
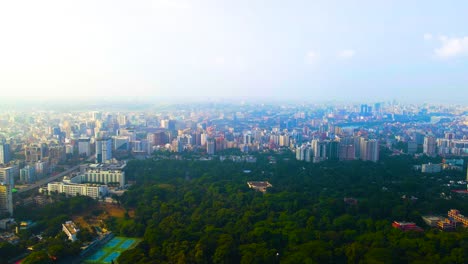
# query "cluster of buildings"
(454, 218)
(92, 180)
(341, 148)
(37, 144)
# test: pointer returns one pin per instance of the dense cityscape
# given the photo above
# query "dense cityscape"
(46, 153)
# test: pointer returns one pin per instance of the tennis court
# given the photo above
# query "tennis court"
(112, 250)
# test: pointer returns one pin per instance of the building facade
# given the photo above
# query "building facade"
(104, 174)
(6, 199)
(103, 150)
(94, 191)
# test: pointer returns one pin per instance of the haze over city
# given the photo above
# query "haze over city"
(225, 132)
(311, 50)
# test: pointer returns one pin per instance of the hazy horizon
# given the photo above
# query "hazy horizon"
(262, 50)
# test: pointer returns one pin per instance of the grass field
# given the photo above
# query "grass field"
(112, 250)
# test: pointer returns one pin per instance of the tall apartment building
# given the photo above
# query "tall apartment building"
(103, 150)
(346, 152)
(6, 199)
(319, 150)
(429, 146)
(121, 143)
(7, 176)
(369, 150)
(211, 147)
(304, 153)
(28, 174)
(84, 146)
(33, 153)
(4, 152)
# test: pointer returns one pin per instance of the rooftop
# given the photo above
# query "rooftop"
(71, 227)
(259, 185)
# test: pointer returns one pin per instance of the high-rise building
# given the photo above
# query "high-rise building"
(210, 146)
(333, 150)
(319, 150)
(304, 153)
(103, 150)
(429, 146)
(4, 152)
(33, 153)
(370, 150)
(57, 153)
(158, 138)
(96, 115)
(165, 123)
(346, 152)
(122, 120)
(84, 146)
(6, 199)
(7, 176)
(121, 142)
(203, 139)
(284, 140)
(28, 174)
(412, 147)
(42, 168)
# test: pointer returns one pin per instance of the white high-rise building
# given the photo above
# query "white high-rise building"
(103, 150)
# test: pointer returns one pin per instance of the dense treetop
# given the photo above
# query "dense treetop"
(191, 211)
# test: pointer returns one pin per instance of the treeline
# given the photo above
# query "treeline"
(203, 212)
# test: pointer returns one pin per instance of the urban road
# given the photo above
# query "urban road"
(52, 178)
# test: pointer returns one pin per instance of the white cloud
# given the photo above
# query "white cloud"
(452, 47)
(312, 57)
(346, 54)
(427, 36)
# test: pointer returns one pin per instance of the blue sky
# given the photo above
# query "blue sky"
(311, 50)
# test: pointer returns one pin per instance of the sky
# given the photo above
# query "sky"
(295, 49)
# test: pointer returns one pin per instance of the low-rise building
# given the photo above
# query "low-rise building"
(259, 185)
(406, 226)
(95, 191)
(70, 229)
(104, 173)
(447, 224)
(455, 215)
(432, 220)
(431, 168)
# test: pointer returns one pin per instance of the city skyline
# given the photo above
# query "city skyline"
(318, 51)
